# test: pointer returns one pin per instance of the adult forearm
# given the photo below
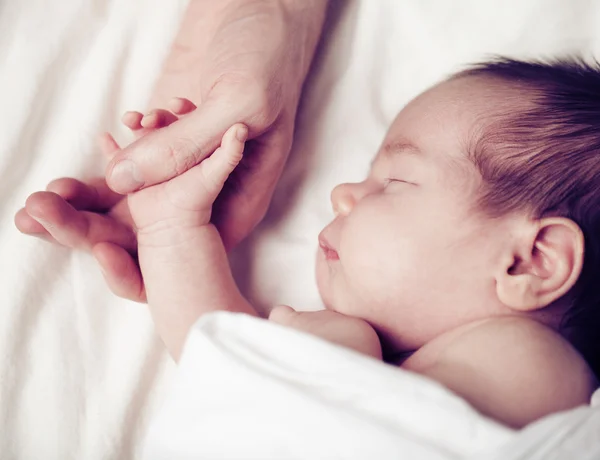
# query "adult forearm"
(292, 24)
(303, 18)
(309, 16)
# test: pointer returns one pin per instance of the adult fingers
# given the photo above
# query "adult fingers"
(91, 196)
(181, 106)
(121, 271)
(77, 229)
(158, 118)
(29, 226)
(166, 153)
(133, 120)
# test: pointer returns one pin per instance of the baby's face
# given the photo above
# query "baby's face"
(407, 251)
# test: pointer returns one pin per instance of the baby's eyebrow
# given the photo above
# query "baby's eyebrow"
(397, 147)
(400, 147)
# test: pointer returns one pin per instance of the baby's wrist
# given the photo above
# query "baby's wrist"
(168, 235)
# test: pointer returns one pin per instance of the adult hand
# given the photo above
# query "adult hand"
(88, 216)
(241, 60)
(249, 59)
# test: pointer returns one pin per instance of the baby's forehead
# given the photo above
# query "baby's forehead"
(450, 117)
(468, 97)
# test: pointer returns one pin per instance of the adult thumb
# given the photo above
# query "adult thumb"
(170, 151)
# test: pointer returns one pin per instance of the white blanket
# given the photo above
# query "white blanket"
(248, 388)
(81, 372)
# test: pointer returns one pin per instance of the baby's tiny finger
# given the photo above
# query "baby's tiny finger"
(215, 170)
(237, 134)
(108, 145)
(158, 118)
(281, 314)
(132, 120)
(181, 106)
(120, 271)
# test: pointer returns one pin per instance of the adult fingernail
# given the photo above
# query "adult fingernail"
(241, 133)
(149, 120)
(47, 225)
(126, 177)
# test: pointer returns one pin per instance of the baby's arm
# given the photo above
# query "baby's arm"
(334, 327)
(181, 255)
(185, 280)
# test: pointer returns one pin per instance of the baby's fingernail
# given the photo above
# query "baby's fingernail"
(241, 133)
(126, 177)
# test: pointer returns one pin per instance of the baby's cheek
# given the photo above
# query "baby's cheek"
(328, 281)
(379, 261)
(320, 278)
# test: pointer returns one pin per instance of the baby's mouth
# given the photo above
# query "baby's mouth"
(328, 251)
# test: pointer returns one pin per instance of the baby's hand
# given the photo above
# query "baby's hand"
(184, 202)
(332, 326)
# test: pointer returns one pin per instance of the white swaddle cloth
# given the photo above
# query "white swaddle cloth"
(250, 389)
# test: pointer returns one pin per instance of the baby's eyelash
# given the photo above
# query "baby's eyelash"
(389, 180)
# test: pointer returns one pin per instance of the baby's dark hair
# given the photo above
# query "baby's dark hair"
(546, 159)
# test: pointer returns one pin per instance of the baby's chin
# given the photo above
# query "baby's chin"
(327, 303)
(331, 305)
(326, 297)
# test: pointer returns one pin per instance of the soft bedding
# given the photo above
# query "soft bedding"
(82, 373)
(247, 388)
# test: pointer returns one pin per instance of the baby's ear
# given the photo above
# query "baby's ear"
(545, 264)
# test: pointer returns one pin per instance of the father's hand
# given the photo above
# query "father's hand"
(250, 59)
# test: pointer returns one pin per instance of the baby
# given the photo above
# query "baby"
(460, 256)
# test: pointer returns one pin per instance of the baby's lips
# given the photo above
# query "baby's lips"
(125, 177)
(328, 250)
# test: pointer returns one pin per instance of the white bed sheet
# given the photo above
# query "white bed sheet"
(81, 373)
(79, 369)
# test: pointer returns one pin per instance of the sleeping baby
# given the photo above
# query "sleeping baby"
(469, 254)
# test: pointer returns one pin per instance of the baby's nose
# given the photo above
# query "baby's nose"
(343, 199)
